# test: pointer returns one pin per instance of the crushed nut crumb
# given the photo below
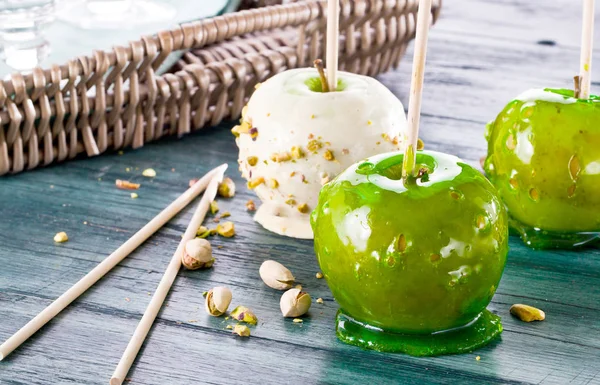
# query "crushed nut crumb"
(243, 128)
(134, 195)
(242, 330)
(273, 183)
(214, 207)
(252, 160)
(61, 237)
(290, 202)
(297, 320)
(149, 173)
(320, 300)
(126, 185)
(226, 188)
(252, 184)
(345, 151)
(297, 152)
(328, 155)
(250, 205)
(280, 157)
(319, 275)
(226, 229)
(314, 145)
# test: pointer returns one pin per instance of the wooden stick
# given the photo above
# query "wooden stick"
(416, 88)
(319, 66)
(577, 86)
(333, 27)
(165, 285)
(587, 38)
(105, 266)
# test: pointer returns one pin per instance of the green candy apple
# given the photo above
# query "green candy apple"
(413, 264)
(544, 159)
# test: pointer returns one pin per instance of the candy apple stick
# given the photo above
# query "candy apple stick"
(165, 284)
(416, 88)
(587, 37)
(105, 266)
(333, 26)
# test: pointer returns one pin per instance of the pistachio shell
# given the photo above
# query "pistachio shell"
(217, 301)
(294, 303)
(275, 275)
(197, 254)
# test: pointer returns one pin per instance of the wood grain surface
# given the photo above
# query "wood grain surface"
(481, 54)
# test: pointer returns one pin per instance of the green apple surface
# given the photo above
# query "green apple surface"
(544, 159)
(412, 265)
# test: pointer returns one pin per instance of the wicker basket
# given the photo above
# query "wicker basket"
(115, 99)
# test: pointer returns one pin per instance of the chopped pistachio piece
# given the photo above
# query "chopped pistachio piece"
(241, 330)
(61, 237)
(149, 173)
(214, 207)
(303, 208)
(242, 128)
(244, 314)
(226, 229)
(280, 157)
(314, 145)
(252, 160)
(297, 152)
(252, 184)
(328, 155)
(227, 188)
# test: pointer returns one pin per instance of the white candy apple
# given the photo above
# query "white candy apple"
(294, 138)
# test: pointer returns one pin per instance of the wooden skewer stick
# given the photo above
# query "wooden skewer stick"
(587, 38)
(416, 88)
(165, 284)
(333, 27)
(319, 66)
(105, 266)
(577, 86)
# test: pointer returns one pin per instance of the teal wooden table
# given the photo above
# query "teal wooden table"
(482, 53)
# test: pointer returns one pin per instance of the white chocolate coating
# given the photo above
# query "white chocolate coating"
(332, 130)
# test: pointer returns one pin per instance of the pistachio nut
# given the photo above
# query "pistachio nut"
(217, 301)
(197, 254)
(294, 303)
(242, 313)
(227, 188)
(275, 275)
(241, 330)
(527, 313)
(226, 229)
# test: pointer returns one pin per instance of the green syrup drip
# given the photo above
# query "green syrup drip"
(476, 334)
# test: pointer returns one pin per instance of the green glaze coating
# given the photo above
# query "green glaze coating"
(419, 258)
(544, 159)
